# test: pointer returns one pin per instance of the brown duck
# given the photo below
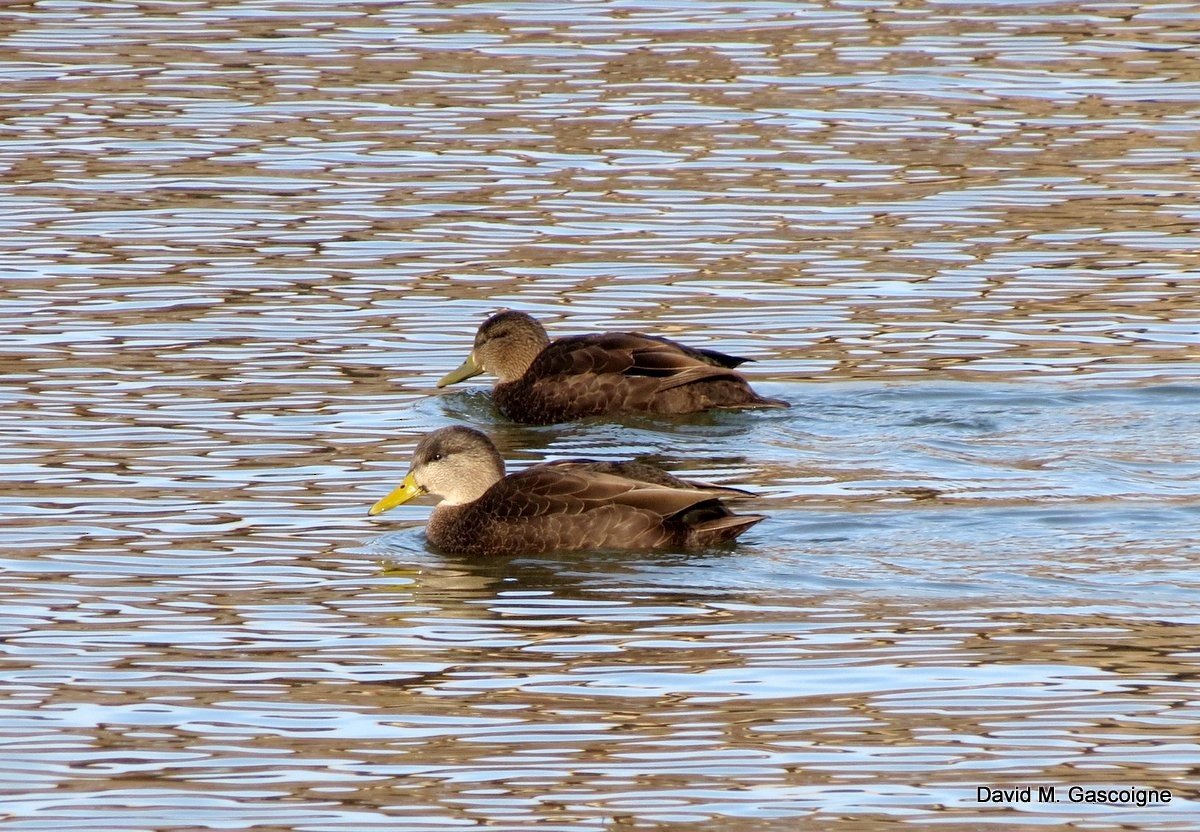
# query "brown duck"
(558, 506)
(540, 382)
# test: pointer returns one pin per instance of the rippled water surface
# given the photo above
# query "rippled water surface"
(239, 241)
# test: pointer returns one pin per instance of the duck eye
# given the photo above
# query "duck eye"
(435, 457)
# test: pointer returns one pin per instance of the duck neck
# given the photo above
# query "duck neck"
(520, 357)
(471, 484)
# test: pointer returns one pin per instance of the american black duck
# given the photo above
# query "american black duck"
(540, 382)
(558, 506)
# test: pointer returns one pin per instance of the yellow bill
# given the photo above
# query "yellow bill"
(465, 371)
(407, 491)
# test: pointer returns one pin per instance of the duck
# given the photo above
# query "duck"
(560, 506)
(543, 382)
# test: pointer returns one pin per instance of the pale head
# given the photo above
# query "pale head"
(505, 346)
(456, 463)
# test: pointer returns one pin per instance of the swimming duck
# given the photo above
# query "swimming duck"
(540, 382)
(558, 506)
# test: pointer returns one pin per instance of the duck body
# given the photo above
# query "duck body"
(565, 506)
(575, 506)
(542, 382)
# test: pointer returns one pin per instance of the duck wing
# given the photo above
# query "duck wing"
(690, 514)
(578, 505)
(621, 372)
(573, 488)
(713, 357)
(630, 354)
(647, 472)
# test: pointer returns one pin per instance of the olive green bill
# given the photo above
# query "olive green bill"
(466, 370)
(407, 491)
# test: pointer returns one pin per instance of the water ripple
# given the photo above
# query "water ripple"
(240, 242)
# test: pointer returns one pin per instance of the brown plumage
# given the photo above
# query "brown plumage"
(540, 382)
(558, 506)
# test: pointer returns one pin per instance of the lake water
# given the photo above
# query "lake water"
(241, 240)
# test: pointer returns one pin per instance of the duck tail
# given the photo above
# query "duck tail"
(721, 529)
(756, 403)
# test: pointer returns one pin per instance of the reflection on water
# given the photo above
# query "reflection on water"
(242, 240)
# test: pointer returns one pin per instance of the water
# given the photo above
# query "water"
(242, 240)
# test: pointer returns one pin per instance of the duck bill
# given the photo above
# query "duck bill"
(407, 491)
(468, 369)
